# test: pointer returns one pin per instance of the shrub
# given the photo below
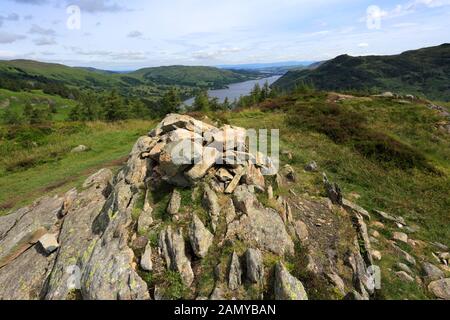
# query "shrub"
(347, 127)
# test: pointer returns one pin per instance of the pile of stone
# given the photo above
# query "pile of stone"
(182, 151)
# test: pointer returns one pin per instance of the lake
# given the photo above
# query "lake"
(235, 90)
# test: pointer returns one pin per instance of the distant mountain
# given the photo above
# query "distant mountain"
(421, 72)
(273, 68)
(208, 77)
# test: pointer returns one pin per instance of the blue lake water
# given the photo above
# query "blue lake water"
(235, 90)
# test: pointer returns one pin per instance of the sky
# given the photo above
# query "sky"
(127, 35)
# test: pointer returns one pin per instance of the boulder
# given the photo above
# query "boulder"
(400, 236)
(234, 272)
(200, 237)
(175, 157)
(287, 287)
(224, 175)
(337, 281)
(145, 219)
(440, 288)
(174, 204)
(49, 242)
(199, 170)
(244, 199)
(253, 176)
(403, 254)
(255, 266)
(211, 204)
(173, 249)
(431, 272)
(146, 259)
(301, 230)
(263, 228)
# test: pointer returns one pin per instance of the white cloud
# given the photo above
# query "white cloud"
(363, 45)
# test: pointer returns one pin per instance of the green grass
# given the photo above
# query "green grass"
(109, 143)
(411, 191)
(40, 100)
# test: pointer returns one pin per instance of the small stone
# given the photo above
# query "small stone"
(224, 175)
(404, 276)
(49, 242)
(269, 192)
(400, 236)
(311, 167)
(375, 234)
(404, 267)
(79, 149)
(376, 255)
(377, 224)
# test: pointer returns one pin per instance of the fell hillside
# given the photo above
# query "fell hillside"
(424, 72)
(214, 231)
(145, 83)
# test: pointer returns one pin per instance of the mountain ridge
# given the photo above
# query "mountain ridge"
(423, 72)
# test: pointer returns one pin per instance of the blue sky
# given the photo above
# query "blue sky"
(118, 34)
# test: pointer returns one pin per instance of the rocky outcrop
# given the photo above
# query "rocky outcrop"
(102, 240)
(174, 203)
(440, 288)
(255, 266)
(200, 237)
(287, 287)
(234, 272)
(173, 249)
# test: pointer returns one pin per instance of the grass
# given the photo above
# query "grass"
(55, 169)
(416, 189)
